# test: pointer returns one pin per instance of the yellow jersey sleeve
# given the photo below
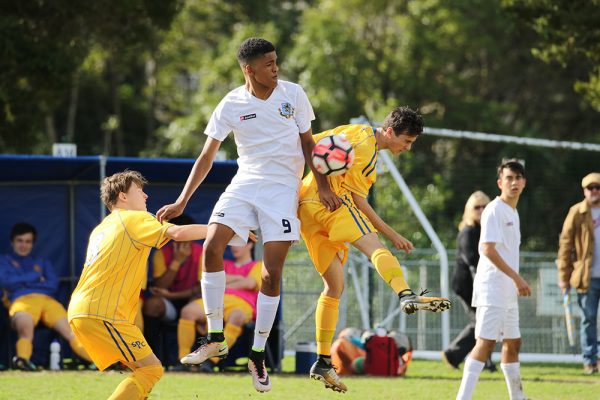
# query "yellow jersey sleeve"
(362, 174)
(256, 274)
(159, 267)
(143, 228)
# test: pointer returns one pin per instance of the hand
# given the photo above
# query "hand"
(181, 251)
(169, 211)
(522, 286)
(564, 286)
(252, 236)
(157, 291)
(329, 199)
(401, 243)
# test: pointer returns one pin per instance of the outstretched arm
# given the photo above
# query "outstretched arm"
(327, 196)
(186, 233)
(399, 241)
(199, 171)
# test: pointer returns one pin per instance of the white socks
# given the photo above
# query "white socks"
(266, 309)
(213, 291)
(471, 373)
(512, 375)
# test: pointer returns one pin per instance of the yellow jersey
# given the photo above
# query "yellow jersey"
(360, 176)
(116, 266)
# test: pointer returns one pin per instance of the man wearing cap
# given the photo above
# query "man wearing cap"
(579, 264)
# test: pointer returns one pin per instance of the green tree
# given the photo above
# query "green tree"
(569, 34)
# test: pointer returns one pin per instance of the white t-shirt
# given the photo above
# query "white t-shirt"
(266, 132)
(596, 257)
(492, 287)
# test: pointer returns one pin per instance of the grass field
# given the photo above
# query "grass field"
(428, 380)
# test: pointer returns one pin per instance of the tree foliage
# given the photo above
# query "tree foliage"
(139, 77)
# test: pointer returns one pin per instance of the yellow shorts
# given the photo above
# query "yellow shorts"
(107, 343)
(39, 306)
(231, 303)
(326, 233)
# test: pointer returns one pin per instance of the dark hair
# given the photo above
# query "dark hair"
(183, 219)
(117, 183)
(404, 120)
(22, 228)
(513, 164)
(253, 48)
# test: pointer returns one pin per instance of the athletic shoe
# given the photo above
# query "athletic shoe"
(23, 364)
(490, 366)
(589, 369)
(412, 303)
(326, 373)
(256, 366)
(205, 351)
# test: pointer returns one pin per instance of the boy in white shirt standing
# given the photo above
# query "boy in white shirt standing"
(271, 123)
(497, 285)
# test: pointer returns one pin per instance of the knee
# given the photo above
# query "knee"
(213, 252)
(192, 312)
(154, 307)
(333, 289)
(148, 376)
(272, 278)
(237, 318)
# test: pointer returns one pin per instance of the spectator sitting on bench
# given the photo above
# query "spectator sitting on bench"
(176, 271)
(241, 291)
(30, 283)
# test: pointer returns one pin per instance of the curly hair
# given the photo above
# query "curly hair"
(403, 120)
(119, 183)
(253, 48)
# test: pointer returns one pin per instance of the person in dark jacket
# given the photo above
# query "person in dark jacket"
(29, 284)
(467, 256)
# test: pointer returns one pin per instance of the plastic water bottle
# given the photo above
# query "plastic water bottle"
(54, 355)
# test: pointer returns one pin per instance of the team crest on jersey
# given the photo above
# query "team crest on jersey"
(286, 110)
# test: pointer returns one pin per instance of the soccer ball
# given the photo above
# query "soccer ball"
(333, 155)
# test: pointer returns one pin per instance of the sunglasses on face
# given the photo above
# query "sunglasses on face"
(593, 187)
(479, 207)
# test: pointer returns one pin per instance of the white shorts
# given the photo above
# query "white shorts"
(170, 311)
(265, 205)
(497, 323)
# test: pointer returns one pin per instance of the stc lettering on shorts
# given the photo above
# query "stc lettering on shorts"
(219, 214)
(138, 344)
(286, 110)
(245, 117)
(509, 223)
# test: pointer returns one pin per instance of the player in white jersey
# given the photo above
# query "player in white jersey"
(497, 285)
(271, 123)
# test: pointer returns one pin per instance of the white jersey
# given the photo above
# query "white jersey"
(266, 132)
(492, 287)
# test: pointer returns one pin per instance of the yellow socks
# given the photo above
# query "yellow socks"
(139, 384)
(79, 349)
(231, 333)
(389, 269)
(326, 319)
(186, 333)
(24, 348)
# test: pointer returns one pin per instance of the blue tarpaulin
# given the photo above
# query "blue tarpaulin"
(61, 198)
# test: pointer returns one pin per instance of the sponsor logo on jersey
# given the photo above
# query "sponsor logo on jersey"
(286, 110)
(249, 116)
(138, 344)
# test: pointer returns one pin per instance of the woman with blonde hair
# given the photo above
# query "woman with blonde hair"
(467, 256)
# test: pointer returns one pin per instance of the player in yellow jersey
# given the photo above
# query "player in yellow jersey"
(105, 302)
(327, 232)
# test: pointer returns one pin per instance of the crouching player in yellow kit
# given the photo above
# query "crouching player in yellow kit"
(105, 302)
(326, 233)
